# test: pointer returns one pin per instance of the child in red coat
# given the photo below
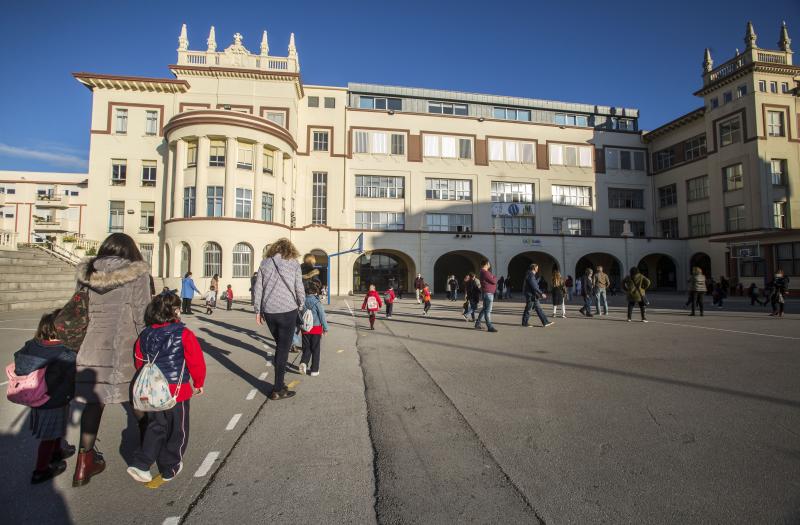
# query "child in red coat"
(426, 298)
(389, 297)
(372, 303)
(229, 296)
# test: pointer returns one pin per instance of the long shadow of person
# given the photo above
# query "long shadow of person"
(221, 356)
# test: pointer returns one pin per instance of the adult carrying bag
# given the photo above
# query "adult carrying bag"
(29, 390)
(300, 322)
(151, 389)
(73, 320)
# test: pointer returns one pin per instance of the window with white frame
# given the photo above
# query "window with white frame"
(668, 195)
(146, 249)
(762, 85)
(121, 121)
(525, 225)
(775, 123)
(664, 159)
(777, 170)
(216, 155)
(320, 140)
(624, 159)
(151, 122)
(623, 124)
(566, 119)
(191, 154)
(360, 142)
(773, 87)
(212, 260)
(242, 260)
(379, 186)
(616, 227)
(741, 91)
(267, 205)
(244, 203)
(119, 172)
(7, 212)
(214, 201)
(448, 222)
(387, 103)
(572, 226)
(572, 195)
(116, 216)
(699, 224)
(512, 192)
(733, 177)
(522, 115)
(378, 142)
(729, 132)
(189, 202)
(625, 198)
(319, 198)
(147, 218)
(398, 144)
(694, 148)
(697, 188)
(447, 108)
(148, 173)
(784, 87)
(448, 189)
(380, 220)
(779, 214)
(446, 146)
(8, 189)
(735, 218)
(244, 158)
(278, 117)
(569, 155)
(268, 161)
(512, 151)
(669, 228)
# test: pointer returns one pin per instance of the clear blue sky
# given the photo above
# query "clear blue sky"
(638, 54)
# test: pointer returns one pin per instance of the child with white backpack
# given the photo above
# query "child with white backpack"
(372, 303)
(167, 355)
(313, 328)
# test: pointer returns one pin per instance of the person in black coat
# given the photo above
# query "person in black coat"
(533, 296)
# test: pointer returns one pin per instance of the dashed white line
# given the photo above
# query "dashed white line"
(348, 307)
(727, 330)
(263, 376)
(19, 329)
(4, 383)
(206, 465)
(232, 423)
(172, 520)
(251, 394)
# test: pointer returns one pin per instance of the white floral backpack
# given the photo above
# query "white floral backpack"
(151, 389)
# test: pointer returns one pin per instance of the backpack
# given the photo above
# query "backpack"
(372, 303)
(29, 390)
(151, 389)
(386, 297)
(308, 320)
(73, 320)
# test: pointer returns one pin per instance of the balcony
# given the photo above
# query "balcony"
(240, 60)
(51, 225)
(52, 201)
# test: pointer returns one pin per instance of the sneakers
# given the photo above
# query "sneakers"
(465, 317)
(549, 323)
(644, 320)
(314, 374)
(563, 316)
(302, 368)
(629, 319)
(180, 467)
(283, 393)
(141, 476)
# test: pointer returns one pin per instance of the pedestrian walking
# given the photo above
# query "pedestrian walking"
(600, 282)
(533, 295)
(779, 288)
(559, 289)
(697, 289)
(585, 285)
(426, 299)
(48, 421)
(118, 281)
(472, 296)
(501, 288)
(568, 283)
(452, 287)
(211, 300)
(507, 285)
(372, 303)
(716, 293)
(174, 349)
(488, 284)
(388, 298)
(215, 285)
(253, 288)
(279, 294)
(419, 283)
(229, 297)
(635, 286)
(312, 339)
(188, 289)
(753, 293)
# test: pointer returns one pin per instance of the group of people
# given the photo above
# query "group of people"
(775, 292)
(189, 290)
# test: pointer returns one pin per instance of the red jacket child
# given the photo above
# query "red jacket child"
(195, 363)
(229, 294)
(376, 295)
(390, 296)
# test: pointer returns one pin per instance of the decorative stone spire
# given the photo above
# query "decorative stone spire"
(785, 43)
(750, 36)
(212, 40)
(708, 63)
(183, 41)
(264, 44)
(292, 48)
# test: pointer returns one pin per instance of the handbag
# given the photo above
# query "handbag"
(299, 321)
(73, 320)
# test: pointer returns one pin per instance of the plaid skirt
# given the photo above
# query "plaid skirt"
(49, 423)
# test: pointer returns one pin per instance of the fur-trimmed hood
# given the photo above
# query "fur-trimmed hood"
(110, 272)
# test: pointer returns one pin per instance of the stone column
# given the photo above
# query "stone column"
(201, 179)
(229, 208)
(177, 178)
(258, 180)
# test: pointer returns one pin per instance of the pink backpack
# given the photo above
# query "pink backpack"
(29, 390)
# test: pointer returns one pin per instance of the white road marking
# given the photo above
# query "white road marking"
(263, 376)
(206, 465)
(20, 329)
(13, 320)
(232, 423)
(251, 394)
(728, 330)
(349, 308)
(172, 520)
(4, 383)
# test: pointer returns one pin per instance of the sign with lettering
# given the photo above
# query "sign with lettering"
(512, 209)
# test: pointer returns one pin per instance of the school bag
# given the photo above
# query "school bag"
(151, 389)
(372, 303)
(29, 390)
(73, 320)
(386, 297)
(308, 320)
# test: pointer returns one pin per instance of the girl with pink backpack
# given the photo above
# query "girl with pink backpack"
(372, 303)
(43, 377)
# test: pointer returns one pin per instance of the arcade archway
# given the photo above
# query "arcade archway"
(458, 263)
(611, 265)
(701, 260)
(383, 268)
(519, 264)
(661, 270)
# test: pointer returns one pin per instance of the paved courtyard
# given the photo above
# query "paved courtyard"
(426, 420)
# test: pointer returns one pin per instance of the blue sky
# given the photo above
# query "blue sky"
(638, 54)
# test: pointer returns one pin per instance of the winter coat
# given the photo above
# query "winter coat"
(697, 283)
(175, 349)
(587, 285)
(474, 290)
(314, 305)
(635, 287)
(531, 287)
(188, 288)
(119, 291)
(601, 281)
(377, 296)
(279, 286)
(389, 296)
(60, 374)
(488, 281)
(558, 293)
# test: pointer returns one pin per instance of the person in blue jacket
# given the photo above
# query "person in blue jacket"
(188, 289)
(533, 296)
(312, 339)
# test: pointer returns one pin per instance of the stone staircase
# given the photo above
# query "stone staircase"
(30, 279)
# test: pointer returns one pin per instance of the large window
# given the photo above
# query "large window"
(668, 195)
(664, 159)
(267, 206)
(572, 195)
(697, 188)
(523, 115)
(447, 147)
(244, 159)
(669, 228)
(694, 148)
(319, 198)
(448, 222)
(567, 155)
(148, 173)
(779, 215)
(448, 189)
(624, 159)
(616, 227)
(278, 117)
(622, 124)
(151, 122)
(216, 155)
(119, 172)
(735, 218)
(699, 224)
(379, 142)
(320, 141)
(577, 227)
(446, 108)
(625, 198)
(116, 216)
(787, 256)
(777, 170)
(730, 131)
(514, 225)
(146, 249)
(380, 220)
(214, 201)
(212, 260)
(268, 161)
(244, 203)
(377, 186)
(512, 192)
(732, 177)
(191, 154)
(122, 121)
(512, 151)
(189, 202)
(775, 124)
(566, 119)
(147, 220)
(398, 144)
(242, 260)
(388, 103)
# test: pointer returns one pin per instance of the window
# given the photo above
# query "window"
(784, 87)
(512, 151)
(775, 123)
(741, 91)
(777, 169)
(669, 228)
(623, 159)
(278, 117)
(664, 159)
(268, 161)
(787, 255)
(189, 202)
(116, 216)
(212, 260)
(697, 188)
(734, 217)
(779, 215)
(572, 195)
(394, 104)
(694, 148)
(448, 222)
(773, 87)
(151, 122)
(330, 102)
(244, 159)
(242, 260)
(448, 147)
(376, 186)
(446, 108)
(624, 124)
(512, 192)
(398, 144)
(319, 198)
(762, 85)
(216, 156)
(714, 103)
(378, 142)
(566, 155)
(380, 220)
(191, 154)
(616, 228)
(448, 189)
(8, 189)
(122, 121)
(668, 195)
(320, 141)
(119, 172)
(313, 102)
(146, 250)
(361, 142)
(578, 227)
(214, 195)
(564, 119)
(729, 132)
(525, 225)
(523, 115)
(7, 212)
(244, 203)
(727, 97)
(267, 203)
(625, 198)
(147, 218)
(699, 224)
(148, 173)
(732, 176)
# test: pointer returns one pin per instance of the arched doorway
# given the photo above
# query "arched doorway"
(703, 261)
(519, 264)
(321, 265)
(382, 268)
(458, 263)
(186, 258)
(610, 264)
(661, 270)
